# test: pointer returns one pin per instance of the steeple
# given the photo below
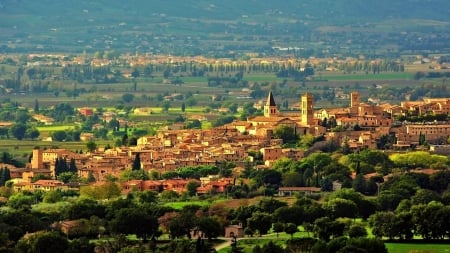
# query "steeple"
(270, 100)
(270, 108)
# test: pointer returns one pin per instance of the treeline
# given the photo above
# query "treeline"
(417, 93)
(235, 81)
(373, 67)
(83, 73)
(432, 74)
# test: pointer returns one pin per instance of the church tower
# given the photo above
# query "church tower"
(307, 109)
(355, 99)
(270, 108)
(36, 160)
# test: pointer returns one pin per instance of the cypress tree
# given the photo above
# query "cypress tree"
(36, 106)
(57, 167)
(73, 166)
(65, 165)
(7, 174)
(137, 162)
(2, 177)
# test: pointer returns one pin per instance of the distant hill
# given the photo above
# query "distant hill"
(331, 12)
(80, 24)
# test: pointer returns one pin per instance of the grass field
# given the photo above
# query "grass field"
(357, 77)
(24, 147)
(180, 204)
(248, 244)
(417, 247)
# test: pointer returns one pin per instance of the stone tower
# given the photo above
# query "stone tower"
(36, 160)
(270, 108)
(307, 110)
(355, 99)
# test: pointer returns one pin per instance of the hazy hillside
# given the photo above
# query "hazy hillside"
(78, 24)
(338, 11)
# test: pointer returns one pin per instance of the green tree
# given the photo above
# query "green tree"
(278, 227)
(271, 247)
(425, 196)
(291, 229)
(357, 230)
(68, 177)
(368, 245)
(191, 187)
(136, 162)
(210, 227)
(127, 97)
(165, 106)
(292, 179)
(84, 208)
(325, 228)
(91, 146)
(338, 208)
(52, 197)
(21, 201)
(260, 222)
(18, 130)
(134, 175)
(44, 242)
(5, 176)
(32, 133)
(383, 224)
(59, 135)
(36, 106)
(135, 73)
(286, 133)
(135, 221)
(289, 214)
(22, 116)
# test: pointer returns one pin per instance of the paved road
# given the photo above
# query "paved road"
(225, 244)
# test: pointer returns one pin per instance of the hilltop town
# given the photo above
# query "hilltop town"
(357, 127)
(224, 126)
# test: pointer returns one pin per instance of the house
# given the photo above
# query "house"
(86, 137)
(234, 231)
(49, 185)
(43, 119)
(86, 111)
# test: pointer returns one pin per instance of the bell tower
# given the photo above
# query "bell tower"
(270, 108)
(355, 99)
(307, 110)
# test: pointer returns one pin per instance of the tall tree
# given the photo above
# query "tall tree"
(36, 106)
(73, 166)
(136, 163)
(5, 175)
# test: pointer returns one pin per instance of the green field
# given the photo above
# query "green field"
(362, 77)
(180, 204)
(417, 248)
(247, 245)
(24, 147)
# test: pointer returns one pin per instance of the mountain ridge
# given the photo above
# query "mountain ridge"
(165, 26)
